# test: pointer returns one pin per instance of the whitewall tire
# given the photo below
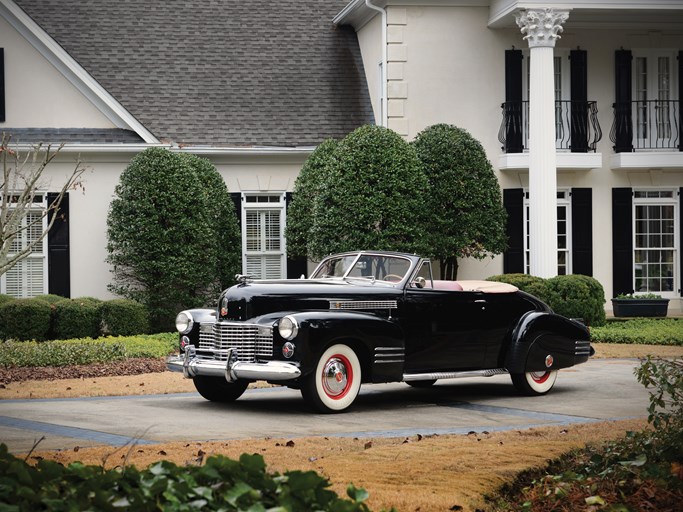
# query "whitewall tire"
(335, 383)
(534, 383)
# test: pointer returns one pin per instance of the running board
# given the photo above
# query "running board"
(410, 377)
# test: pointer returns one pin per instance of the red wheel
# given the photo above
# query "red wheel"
(534, 383)
(335, 383)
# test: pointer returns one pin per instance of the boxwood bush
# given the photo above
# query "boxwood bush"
(77, 318)
(652, 331)
(573, 296)
(25, 319)
(123, 317)
(578, 296)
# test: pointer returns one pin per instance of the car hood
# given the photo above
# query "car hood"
(258, 298)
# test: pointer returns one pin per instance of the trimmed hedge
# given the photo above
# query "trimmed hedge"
(25, 319)
(77, 318)
(124, 317)
(84, 317)
(573, 296)
(220, 484)
(649, 331)
(86, 350)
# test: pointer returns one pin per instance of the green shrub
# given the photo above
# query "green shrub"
(25, 319)
(77, 318)
(5, 298)
(219, 484)
(50, 298)
(653, 331)
(86, 350)
(533, 285)
(578, 296)
(123, 317)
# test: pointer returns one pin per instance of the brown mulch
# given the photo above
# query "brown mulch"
(112, 369)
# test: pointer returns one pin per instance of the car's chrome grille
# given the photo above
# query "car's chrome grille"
(251, 341)
(582, 348)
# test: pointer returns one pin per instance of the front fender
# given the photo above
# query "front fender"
(545, 341)
(378, 342)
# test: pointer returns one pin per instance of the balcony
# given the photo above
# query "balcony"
(576, 126)
(647, 125)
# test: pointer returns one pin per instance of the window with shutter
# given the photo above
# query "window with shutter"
(28, 277)
(263, 235)
(564, 233)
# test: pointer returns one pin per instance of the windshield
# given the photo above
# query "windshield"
(364, 266)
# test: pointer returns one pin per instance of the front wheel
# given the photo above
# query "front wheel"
(534, 383)
(217, 389)
(335, 383)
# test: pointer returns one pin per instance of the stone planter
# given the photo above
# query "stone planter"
(640, 307)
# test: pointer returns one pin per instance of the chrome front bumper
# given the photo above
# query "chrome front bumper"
(232, 369)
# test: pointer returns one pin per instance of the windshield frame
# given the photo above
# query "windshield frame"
(355, 257)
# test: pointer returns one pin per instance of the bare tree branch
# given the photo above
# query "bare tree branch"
(21, 186)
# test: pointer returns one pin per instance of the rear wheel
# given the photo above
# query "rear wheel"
(534, 383)
(335, 383)
(217, 389)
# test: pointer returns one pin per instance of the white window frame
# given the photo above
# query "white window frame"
(25, 288)
(652, 93)
(265, 201)
(563, 201)
(674, 201)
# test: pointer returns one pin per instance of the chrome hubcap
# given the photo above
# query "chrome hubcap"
(335, 377)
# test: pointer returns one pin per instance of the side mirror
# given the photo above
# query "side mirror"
(419, 282)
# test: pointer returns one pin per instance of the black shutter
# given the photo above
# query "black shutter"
(579, 104)
(237, 201)
(623, 120)
(299, 265)
(512, 109)
(58, 260)
(513, 258)
(680, 109)
(622, 241)
(582, 231)
(2, 86)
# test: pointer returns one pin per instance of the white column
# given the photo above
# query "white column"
(541, 29)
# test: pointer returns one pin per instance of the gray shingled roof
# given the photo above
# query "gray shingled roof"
(71, 135)
(221, 73)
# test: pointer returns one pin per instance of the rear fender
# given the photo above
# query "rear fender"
(546, 341)
(378, 342)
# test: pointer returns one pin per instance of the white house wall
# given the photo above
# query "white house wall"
(452, 70)
(41, 97)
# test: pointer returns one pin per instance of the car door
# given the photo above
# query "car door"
(443, 330)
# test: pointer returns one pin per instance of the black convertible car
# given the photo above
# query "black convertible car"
(372, 317)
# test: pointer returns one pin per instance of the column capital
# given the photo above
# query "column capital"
(541, 26)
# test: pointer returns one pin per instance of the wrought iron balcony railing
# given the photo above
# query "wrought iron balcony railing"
(647, 125)
(576, 126)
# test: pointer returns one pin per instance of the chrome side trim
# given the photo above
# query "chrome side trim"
(582, 348)
(364, 304)
(192, 366)
(386, 355)
(408, 377)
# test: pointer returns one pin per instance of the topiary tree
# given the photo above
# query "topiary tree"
(372, 196)
(164, 235)
(224, 219)
(467, 218)
(306, 189)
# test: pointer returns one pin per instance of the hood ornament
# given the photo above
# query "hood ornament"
(243, 278)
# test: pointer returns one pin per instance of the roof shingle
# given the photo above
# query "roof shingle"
(219, 73)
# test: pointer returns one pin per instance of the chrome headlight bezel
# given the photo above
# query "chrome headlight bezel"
(184, 322)
(288, 327)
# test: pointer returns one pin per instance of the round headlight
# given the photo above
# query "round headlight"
(184, 322)
(288, 327)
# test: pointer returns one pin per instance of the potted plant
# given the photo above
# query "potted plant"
(647, 304)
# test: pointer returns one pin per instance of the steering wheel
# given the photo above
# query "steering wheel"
(392, 277)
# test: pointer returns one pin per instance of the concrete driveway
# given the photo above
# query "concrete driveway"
(596, 391)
